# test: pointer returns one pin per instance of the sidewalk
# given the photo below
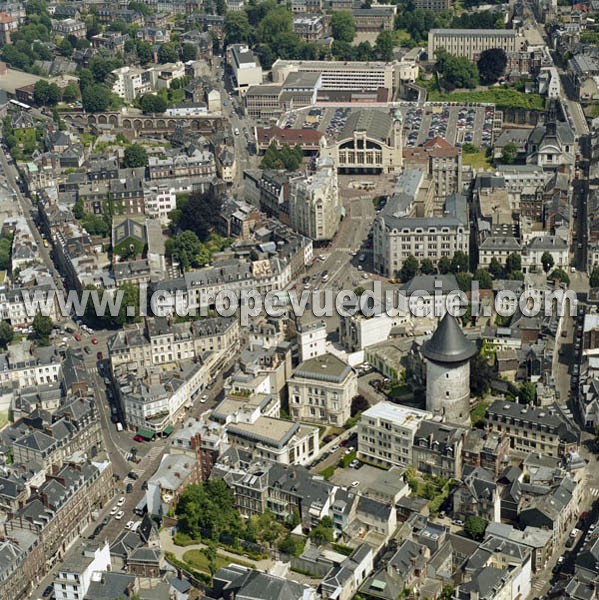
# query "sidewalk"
(168, 545)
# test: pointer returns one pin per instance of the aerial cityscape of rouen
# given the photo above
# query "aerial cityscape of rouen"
(299, 299)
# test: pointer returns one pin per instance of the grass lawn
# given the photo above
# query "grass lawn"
(397, 390)
(477, 414)
(502, 97)
(3, 419)
(477, 160)
(197, 560)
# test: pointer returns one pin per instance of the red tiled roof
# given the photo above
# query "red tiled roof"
(439, 146)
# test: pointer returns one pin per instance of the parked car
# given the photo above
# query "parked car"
(121, 501)
(119, 515)
(138, 438)
(49, 589)
(133, 475)
(100, 356)
(77, 337)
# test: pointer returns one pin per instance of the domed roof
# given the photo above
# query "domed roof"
(448, 344)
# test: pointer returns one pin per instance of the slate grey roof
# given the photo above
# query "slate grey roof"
(376, 123)
(448, 344)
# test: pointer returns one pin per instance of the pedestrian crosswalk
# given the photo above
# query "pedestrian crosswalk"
(538, 585)
(594, 492)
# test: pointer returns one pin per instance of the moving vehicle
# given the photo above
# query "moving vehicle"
(119, 427)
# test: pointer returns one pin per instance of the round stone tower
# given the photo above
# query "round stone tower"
(448, 355)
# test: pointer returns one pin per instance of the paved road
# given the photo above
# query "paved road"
(28, 211)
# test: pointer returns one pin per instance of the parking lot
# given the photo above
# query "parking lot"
(366, 475)
(457, 123)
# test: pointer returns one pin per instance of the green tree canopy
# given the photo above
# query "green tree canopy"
(527, 392)
(343, 26)
(484, 279)
(457, 71)
(188, 52)
(509, 153)
(6, 333)
(547, 261)
(135, 156)
(384, 45)
(560, 275)
(47, 94)
(444, 265)
(323, 532)
(42, 327)
(70, 93)
(276, 22)
(152, 103)
(237, 28)
(408, 269)
(359, 404)
(460, 262)
(207, 510)
(495, 268)
(491, 65)
(95, 97)
(144, 51)
(426, 266)
(167, 53)
(475, 527)
(513, 263)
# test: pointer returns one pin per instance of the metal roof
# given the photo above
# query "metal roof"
(448, 344)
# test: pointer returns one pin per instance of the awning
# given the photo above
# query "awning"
(147, 434)
(168, 430)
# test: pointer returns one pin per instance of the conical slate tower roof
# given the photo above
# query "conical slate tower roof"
(448, 344)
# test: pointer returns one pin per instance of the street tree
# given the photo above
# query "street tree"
(547, 261)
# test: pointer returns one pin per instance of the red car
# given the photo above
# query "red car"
(77, 337)
(94, 340)
(100, 356)
(138, 438)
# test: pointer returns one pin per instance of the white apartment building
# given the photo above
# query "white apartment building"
(312, 340)
(321, 390)
(130, 82)
(471, 42)
(277, 440)
(159, 201)
(153, 401)
(314, 206)
(386, 433)
(246, 67)
(77, 571)
(342, 75)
